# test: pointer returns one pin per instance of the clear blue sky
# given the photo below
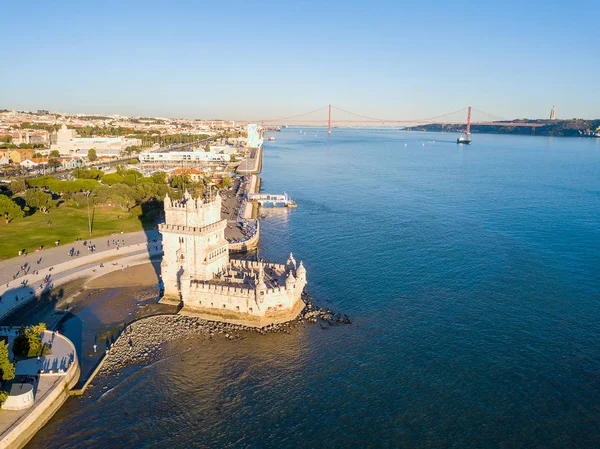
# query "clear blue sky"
(263, 59)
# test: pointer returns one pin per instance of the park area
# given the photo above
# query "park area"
(65, 223)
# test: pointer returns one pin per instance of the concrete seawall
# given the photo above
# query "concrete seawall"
(247, 245)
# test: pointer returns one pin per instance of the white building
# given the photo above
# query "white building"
(68, 143)
(185, 156)
(223, 149)
(254, 140)
(28, 163)
(196, 270)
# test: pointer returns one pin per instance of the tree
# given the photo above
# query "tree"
(29, 342)
(84, 173)
(207, 148)
(159, 177)
(18, 185)
(39, 200)
(54, 153)
(37, 330)
(226, 182)
(112, 178)
(182, 181)
(53, 163)
(38, 155)
(92, 156)
(9, 209)
(7, 369)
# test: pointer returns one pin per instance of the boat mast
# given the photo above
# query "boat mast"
(469, 124)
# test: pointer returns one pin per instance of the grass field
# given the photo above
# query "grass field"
(67, 224)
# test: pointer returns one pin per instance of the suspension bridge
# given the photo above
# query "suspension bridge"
(348, 118)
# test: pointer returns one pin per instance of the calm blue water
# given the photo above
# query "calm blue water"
(473, 278)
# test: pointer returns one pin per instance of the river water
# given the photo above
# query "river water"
(472, 274)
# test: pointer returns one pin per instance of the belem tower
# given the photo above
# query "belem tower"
(197, 272)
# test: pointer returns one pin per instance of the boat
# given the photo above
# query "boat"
(466, 139)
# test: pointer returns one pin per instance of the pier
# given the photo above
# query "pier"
(272, 199)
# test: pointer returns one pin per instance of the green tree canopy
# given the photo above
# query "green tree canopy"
(112, 178)
(159, 177)
(9, 209)
(84, 173)
(92, 156)
(18, 185)
(207, 148)
(7, 369)
(29, 342)
(53, 163)
(182, 181)
(39, 200)
(54, 153)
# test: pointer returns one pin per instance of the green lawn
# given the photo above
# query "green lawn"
(67, 224)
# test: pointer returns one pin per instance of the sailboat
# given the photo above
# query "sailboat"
(466, 139)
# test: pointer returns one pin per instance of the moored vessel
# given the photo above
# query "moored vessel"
(466, 139)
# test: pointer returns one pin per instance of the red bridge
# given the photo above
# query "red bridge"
(449, 118)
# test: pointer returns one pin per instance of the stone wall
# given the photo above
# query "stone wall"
(246, 245)
(242, 298)
(245, 319)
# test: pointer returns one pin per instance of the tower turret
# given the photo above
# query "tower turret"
(301, 272)
(291, 263)
(261, 287)
(290, 281)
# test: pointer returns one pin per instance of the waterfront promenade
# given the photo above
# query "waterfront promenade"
(252, 163)
(54, 374)
(57, 267)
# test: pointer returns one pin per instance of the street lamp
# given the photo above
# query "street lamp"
(87, 194)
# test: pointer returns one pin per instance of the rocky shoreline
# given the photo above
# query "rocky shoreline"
(141, 341)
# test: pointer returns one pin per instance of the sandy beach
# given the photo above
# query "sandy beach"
(144, 275)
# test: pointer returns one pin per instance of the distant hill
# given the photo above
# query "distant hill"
(566, 128)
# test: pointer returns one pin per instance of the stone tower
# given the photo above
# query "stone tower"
(553, 113)
(194, 242)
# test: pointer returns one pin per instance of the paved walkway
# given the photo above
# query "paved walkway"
(63, 354)
(57, 266)
(251, 163)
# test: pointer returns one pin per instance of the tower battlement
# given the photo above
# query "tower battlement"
(196, 269)
(190, 211)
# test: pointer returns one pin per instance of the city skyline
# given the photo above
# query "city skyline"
(242, 62)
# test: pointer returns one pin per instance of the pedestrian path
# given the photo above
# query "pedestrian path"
(57, 268)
